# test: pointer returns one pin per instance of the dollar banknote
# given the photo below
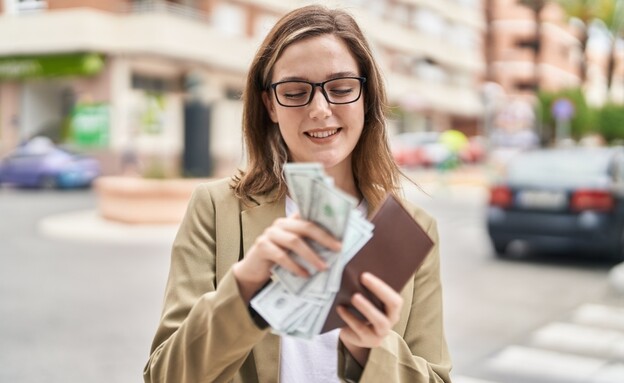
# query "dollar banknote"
(297, 306)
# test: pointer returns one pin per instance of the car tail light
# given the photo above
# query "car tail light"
(598, 200)
(500, 196)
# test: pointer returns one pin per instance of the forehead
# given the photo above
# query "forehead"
(315, 58)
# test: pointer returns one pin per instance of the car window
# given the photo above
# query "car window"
(560, 168)
(24, 155)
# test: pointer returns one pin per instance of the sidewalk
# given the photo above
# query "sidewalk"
(89, 226)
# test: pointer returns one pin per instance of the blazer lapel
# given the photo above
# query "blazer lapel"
(257, 218)
(254, 221)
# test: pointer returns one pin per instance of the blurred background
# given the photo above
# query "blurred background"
(508, 114)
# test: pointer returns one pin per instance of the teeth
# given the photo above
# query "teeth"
(324, 134)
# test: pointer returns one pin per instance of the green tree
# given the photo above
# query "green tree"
(610, 122)
(582, 123)
(610, 12)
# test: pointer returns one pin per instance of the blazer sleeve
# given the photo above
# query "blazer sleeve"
(205, 331)
(421, 354)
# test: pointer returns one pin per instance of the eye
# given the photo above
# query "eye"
(295, 95)
(342, 87)
(341, 91)
(293, 90)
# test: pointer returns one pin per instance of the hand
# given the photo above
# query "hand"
(360, 336)
(273, 247)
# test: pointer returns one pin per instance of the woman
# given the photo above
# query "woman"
(314, 94)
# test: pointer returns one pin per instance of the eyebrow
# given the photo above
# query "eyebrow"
(331, 76)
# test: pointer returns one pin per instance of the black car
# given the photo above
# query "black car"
(568, 200)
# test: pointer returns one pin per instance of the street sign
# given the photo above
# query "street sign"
(563, 109)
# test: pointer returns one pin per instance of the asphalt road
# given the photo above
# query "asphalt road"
(80, 311)
(73, 312)
(493, 304)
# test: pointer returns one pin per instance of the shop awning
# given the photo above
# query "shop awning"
(24, 67)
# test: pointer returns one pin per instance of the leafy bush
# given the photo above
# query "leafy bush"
(582, 123)
(610, 122)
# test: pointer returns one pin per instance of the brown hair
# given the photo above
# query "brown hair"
(374, 170)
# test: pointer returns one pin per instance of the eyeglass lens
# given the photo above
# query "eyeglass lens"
(336, 91)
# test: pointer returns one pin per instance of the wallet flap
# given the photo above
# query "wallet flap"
(395, 252)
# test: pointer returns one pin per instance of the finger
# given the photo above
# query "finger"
(360, 328)
(310, 230)
(387, 295)
(279, 256)
(290, 241)
(358, 332)
(380, 323)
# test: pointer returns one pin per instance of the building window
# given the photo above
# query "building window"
(428, 70)
(25, 6)
(525, 86)
(464, 37)
(429, 22)
(234, 94)
(156, 84)
(531, 44)
(229, 19)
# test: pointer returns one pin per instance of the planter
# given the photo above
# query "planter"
(136, 200)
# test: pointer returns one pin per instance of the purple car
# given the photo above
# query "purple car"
(39, 164)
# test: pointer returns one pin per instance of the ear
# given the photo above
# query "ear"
(268, 104)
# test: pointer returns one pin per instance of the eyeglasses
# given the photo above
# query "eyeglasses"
(342, 90)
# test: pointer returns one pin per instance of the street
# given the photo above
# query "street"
(73, 311)
(76, 310)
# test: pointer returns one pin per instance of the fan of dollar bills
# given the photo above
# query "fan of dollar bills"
(298, 306)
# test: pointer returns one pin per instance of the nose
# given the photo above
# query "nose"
(319, 106)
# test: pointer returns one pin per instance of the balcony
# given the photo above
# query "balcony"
(156, 31)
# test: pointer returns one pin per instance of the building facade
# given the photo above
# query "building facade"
(528, 52)
(161, 80)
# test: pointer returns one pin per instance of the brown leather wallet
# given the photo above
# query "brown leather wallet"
(395, 252)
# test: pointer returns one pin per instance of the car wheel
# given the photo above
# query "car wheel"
(49, 182)
(500, 248)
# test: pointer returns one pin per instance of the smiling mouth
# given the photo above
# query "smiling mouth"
(322, 134)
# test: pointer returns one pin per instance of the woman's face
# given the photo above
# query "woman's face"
(320, 131)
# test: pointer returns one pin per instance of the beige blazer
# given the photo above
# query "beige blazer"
(207, 335)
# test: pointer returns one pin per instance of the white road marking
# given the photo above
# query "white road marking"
(579, 339)
(600, 316)
(545, 365)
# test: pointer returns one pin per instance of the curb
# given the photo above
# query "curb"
(89, 226)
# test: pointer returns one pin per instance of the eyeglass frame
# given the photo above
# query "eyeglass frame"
(321, 85)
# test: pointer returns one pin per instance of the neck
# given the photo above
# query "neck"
(344, 180)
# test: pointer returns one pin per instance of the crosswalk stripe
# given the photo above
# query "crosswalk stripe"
(580, 339)
(600, 316)
(610, 374)
(546, 365)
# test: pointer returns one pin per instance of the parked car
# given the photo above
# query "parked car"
(561, 200)
(40, 164)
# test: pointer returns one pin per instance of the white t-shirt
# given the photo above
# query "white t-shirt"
(314, 360)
